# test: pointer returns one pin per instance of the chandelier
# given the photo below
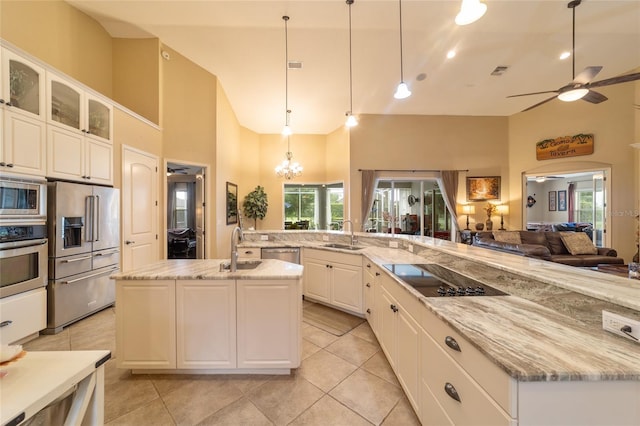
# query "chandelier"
(289, 169)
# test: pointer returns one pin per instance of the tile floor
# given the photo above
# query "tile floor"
(342, 381)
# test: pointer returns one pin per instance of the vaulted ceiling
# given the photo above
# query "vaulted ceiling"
(243, 44)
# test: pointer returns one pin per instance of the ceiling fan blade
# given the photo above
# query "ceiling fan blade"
(533, 93)
(615, 80)
(587, 74)
(594, 97)
(540, 103)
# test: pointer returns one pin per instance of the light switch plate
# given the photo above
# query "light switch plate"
(264, 238)
(614, 323)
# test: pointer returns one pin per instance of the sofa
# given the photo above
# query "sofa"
(569, 248)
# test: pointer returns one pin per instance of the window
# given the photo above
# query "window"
(410, 207)
(181, 203)
(315, 206)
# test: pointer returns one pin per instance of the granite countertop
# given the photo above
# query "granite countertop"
(209, 269)
(551, 333)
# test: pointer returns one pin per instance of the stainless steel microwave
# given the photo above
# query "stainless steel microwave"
(22, 198)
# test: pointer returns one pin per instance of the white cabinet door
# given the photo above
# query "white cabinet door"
(99, 115)
(368, 278)
(206, 323)
(407, 355)
(146, 324)
(98, 162)
(65, 154)
(346, 287)
(23, 86)
(22, 145)
(269, 323)
(385, 322)
(316, 279)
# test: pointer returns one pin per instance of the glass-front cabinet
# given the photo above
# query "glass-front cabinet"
(23, 85)
(73, 108)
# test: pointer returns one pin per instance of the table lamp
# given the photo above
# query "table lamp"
(502, 209)
(468, 209)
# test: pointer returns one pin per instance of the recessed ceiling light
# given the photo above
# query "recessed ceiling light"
(565, 55)
(451, 54)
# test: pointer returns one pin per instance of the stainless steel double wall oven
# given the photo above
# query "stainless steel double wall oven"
(23, 234)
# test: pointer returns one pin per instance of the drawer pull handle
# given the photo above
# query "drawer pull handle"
(451, 342)
(452, 392)
(393, 307)
(6, 323)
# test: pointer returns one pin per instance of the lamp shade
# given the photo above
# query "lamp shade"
(468, 209)
(502, 209)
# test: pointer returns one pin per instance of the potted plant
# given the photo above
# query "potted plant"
(255, 205)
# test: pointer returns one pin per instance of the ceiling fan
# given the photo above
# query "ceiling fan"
(581, 86)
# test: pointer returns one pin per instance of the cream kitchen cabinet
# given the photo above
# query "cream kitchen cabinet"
(77, 110)
(269, 324)
(146, 324)
(370, 274)
(218, 325)
(334, 278)
(73, 156)
(399, 334)
(22, 315)
(22, 122)
(206, 324)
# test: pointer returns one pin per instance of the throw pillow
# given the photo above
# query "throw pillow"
(512, 237)
(578, 243)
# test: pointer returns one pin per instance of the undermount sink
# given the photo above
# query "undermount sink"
(343, 246)
(241, 266)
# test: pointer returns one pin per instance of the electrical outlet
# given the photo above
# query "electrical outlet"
(622, 326)
(264, 238)
(410, 248)
(393, 244)
(325, 238)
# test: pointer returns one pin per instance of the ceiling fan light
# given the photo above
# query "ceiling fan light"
(402, 91)
(470, 11)
(573, 95)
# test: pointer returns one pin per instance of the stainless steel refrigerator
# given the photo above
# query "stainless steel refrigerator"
(84, 249)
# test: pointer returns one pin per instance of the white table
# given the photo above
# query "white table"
(37, 379)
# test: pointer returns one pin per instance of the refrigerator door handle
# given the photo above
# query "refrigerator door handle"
(96, 214)
(88, 217)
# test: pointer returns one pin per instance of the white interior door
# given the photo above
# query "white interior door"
(200, 216)
(139, 208)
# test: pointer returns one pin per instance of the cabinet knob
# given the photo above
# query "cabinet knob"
(2, 164)
(1, 101)
(10, 165)
(368, 311)
(368, 285)
(452, 392)
(452, 343)
(377, 274)
(368, 265)
(9, 104)
(393, 307)
(127, 242)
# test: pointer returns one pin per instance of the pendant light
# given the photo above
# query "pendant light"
(286, 131)
(470, 12)
(288, 169)
(402, 91)
(351, 120)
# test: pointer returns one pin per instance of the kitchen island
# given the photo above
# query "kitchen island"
(194, 317)
(536, 356)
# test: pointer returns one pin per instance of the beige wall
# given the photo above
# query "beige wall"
(308, 150)
(136, 76)
(61, 36)
(613, 125)
(411, 142)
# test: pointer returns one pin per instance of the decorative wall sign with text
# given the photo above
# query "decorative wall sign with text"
(565, 146)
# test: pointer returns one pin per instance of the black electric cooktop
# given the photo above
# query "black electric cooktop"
(433, 280)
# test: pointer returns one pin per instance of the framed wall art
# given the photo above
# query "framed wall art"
(562, 201)
(232, 203)
(552, 201)
(483, 188)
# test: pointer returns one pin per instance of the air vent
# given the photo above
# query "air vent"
(295, 65)
(499, 70)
